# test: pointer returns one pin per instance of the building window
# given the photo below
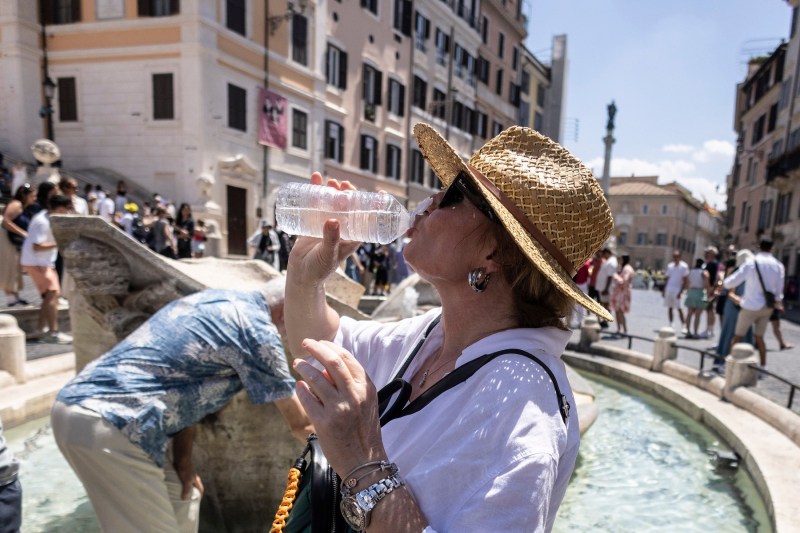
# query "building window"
(420, 93)
(485, 30)
(663, 209)
(60, 11)
(300, 39)
(525, 82)
(524, 113)
(746, 214)
(369, 153)
(163, 97)
(540, 94)
(496, 128)
(483, 70)
(397, 97)
(67, 100)
(402, 16)
(237, 108)
(439, 104)
(299, 129)
(514, 58)
(370, 5)
(645, 209)
(661, 239)
(371, 85)
(422, 31)
(417, 167)
(538, 121)
(758, 129)
(235, 15)
(513, 94)
(622, 239)
(499, 82)
(641, 238)
(334, 141)
(481, 124)
(457, 118)
(158, 8)
(765, 215)
(752, 170)
(393, 158)
(336, 67)
(442, 46)
(501, 45)
(784, 209)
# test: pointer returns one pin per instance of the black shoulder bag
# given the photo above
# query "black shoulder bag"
(313, 483)
(768, 296)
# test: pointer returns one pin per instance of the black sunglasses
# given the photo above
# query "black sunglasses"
(462, 188)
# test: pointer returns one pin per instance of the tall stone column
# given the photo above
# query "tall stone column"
(609, 141)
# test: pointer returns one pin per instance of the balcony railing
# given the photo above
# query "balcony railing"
(786, 165)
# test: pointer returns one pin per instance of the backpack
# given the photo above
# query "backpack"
(138, 231)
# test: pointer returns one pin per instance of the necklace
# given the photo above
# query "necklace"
(428, 371)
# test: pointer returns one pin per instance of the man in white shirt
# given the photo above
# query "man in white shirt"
(677, 279)
(754, 301)
(38, 259)
(69, 188)
(106, 208)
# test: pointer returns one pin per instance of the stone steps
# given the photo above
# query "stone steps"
(28, 318)
(21, 402)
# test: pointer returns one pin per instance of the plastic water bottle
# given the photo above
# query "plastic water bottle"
(303, 208)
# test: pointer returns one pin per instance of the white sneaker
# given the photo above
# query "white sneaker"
(56, 337)
(62, 301)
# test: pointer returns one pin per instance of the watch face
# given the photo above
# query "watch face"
(353, 514)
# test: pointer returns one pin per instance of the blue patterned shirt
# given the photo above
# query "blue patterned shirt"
(184, 363)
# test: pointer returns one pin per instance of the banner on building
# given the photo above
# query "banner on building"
(272, 124)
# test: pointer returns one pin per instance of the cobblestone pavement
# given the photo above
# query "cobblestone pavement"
(648, 315)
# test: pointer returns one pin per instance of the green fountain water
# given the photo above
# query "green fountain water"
(644, 466)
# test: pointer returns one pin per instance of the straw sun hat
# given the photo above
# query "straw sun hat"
(548, 201)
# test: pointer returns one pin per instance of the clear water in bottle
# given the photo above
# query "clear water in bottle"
(303, 208)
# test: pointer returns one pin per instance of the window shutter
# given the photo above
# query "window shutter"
(76, 11)
(299, 31)
(388, 160)
(341, 144)
(427, 28)
(364, 84)
(374, 166)
(378, 87)
(174, 7)
(144, 8)
(402, 110)
(364, 161)
(343, 70)
(406, 22)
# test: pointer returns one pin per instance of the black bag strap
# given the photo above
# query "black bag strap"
(402, 408)
(393, 387)
(760, 279)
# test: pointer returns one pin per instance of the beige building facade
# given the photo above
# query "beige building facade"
(776, 83)
(219, 102)
(652, 220)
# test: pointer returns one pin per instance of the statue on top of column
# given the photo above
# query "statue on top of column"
(612, 110)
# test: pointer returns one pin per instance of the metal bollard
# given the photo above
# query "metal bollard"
(12, 348)
(664, 348)
(590, 333)
(738, 372)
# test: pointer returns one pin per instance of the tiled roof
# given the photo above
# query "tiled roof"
(639, 188)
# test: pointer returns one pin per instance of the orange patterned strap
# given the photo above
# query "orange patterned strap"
(288, 500)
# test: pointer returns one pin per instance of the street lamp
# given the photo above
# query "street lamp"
(47, 111)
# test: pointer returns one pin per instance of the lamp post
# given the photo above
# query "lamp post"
(47, 111)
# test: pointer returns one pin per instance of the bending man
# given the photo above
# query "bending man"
(125, 422)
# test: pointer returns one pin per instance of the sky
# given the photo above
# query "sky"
(671, 67)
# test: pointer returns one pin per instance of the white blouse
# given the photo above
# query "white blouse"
(492, 453)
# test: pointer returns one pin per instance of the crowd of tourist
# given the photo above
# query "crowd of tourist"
(29, 246)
